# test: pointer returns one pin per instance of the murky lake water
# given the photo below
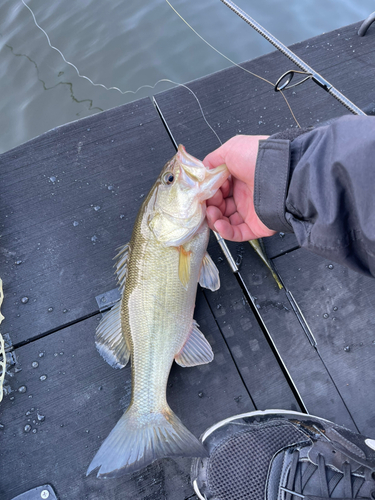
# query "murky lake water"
(130, 43)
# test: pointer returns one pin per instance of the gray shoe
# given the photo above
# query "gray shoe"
(281, 455)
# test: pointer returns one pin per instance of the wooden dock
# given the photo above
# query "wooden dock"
(69, 199)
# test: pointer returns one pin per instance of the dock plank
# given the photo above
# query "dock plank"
(247, 343)
(82, 399)
(280, 243)
(338, 305)
(307, 370)
(69, 199)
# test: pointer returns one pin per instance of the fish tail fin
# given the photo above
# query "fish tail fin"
(137, 440)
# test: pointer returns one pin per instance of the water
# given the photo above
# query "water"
(127, 44)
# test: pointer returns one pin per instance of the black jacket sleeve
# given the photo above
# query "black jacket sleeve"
(321, 186)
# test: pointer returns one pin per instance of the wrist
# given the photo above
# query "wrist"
(271, 184)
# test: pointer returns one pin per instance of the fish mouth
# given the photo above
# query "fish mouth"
(208, 180)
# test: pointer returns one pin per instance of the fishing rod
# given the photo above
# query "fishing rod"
(309, 72)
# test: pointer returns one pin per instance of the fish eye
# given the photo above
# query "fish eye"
(168, 178)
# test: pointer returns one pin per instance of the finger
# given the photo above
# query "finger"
(230, 207)
(213, 214)
(216, 200)
(236, 219)
(221, 194)
(242, 232)
(216, 158)
(227, 187)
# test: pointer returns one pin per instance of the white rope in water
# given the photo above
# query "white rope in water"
(116, 88)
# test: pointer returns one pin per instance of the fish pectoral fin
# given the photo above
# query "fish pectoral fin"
(184, 266)
(196, 350)
(122, 265)
(110, 340)
(209, 275)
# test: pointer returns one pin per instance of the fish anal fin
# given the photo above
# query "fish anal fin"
(196, 350)
(209, 274)
(184, 266)
(110, 340)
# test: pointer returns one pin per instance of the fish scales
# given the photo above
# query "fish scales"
(157, 309)
(153, 325)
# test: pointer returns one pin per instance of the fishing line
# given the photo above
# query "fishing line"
(116, 88)
(232, 62)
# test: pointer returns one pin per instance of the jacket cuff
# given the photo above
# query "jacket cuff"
(271, 183)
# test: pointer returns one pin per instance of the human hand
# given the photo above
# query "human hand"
(231, 211)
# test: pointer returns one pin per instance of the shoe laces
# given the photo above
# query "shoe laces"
(299, 476)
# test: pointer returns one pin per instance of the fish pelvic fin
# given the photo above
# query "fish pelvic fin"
(137, 440)
(109, 339)
(209, 274)
(196, 350)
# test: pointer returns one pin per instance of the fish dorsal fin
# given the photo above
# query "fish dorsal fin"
(184, 266)
(122, 265)
(209, 275)
(196, 351)
(110, 341)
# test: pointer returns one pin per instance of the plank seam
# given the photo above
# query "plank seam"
(164, 122)
(281, 254)
(230, 352)
(53, 330)
(250, 300)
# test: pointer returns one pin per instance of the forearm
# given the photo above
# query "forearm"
(321, 187)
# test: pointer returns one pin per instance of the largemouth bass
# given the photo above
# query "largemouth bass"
(153, 324)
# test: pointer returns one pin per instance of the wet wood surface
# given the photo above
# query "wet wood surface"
(69, 199)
